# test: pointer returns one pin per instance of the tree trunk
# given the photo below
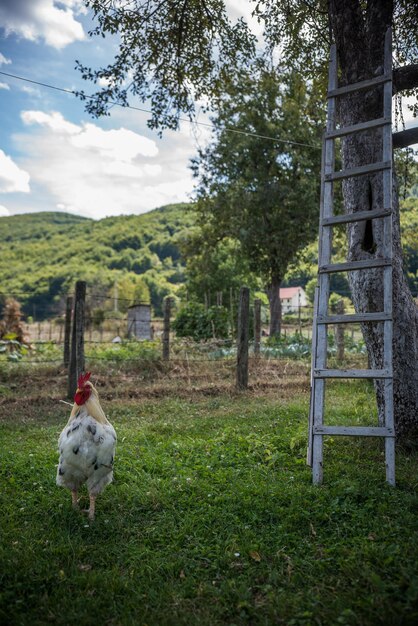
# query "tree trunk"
(360, 45)
(273, 293)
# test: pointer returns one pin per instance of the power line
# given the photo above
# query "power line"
(180, 119)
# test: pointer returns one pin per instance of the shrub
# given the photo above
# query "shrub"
(12, 336)
(194, 321)
(11, 323)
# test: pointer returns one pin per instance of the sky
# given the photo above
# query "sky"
(53, 155)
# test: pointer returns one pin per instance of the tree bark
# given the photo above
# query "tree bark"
(273, 293)
(360, 45)
(405, 138)
(405, 77)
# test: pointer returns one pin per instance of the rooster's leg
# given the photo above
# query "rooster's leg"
(74, 498)
(92, 507)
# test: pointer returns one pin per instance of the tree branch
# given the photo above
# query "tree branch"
(405, 138)
(405, 78)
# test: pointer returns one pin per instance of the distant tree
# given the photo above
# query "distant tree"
(264, 194)
(214, 267)
(131, 289)
(408, 169)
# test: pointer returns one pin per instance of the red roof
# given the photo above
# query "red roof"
(289, 292)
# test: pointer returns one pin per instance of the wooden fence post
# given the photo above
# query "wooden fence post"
(257, 326)
(67, 331)
(166, 330)
(231, 309)
(77, 338)
(242, 338)
(339, 332)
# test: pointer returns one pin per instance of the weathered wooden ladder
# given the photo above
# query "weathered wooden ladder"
(320, 373)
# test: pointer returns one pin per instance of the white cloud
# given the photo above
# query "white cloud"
(97, 172)
(119, 144)
(50, 20)
(4, 86)
(103, 82)
(4, 211)
(3, 60)
(12, 178)
(55, 121)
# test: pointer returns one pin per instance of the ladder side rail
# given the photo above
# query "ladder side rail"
(318, 386)
(324, 279)
(388, 271)
(313, 361)
(309, 452)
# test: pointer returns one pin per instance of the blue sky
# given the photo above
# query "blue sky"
(53, 156)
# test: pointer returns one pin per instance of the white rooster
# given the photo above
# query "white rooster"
(86, 446)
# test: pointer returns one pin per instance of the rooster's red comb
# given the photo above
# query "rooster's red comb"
(83, 379)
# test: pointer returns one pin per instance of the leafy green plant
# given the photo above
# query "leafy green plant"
(194, 321)
(125, 351)
(12, 348)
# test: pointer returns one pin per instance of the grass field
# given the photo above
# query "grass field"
(212, 518)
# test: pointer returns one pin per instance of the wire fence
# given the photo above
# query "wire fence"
(108, 337)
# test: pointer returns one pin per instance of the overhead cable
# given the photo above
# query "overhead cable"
(180, 119)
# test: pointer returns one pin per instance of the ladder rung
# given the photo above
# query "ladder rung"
(356, 317)
(359, 171)
(364, 84)
(356, 128)
(328, 373)
(356, 217)
(354, 265)
(359, 431)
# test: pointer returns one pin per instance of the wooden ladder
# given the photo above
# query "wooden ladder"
(320, 372)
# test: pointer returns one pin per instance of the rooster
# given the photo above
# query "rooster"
(86, 446)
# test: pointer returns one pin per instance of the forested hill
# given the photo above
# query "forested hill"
(43, 254)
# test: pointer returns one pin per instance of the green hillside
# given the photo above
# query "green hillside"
(43, 254)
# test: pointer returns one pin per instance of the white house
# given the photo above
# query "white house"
(292, 298)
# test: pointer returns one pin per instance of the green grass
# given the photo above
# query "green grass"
(212, 520)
